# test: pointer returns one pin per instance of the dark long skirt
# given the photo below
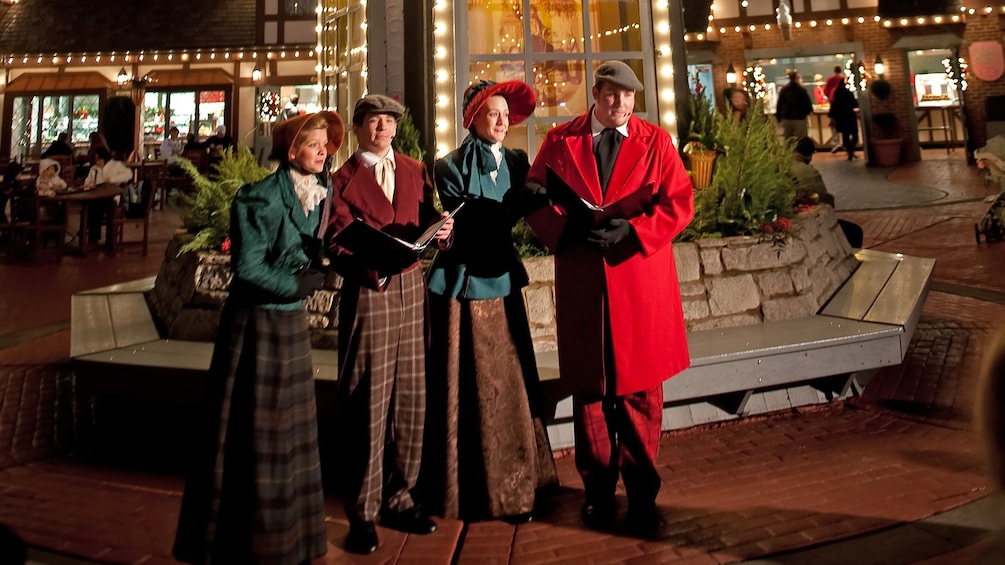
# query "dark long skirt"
(487, 452)
(253, 494)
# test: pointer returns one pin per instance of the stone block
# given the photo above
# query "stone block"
(774, 283)
(211, 275)
(711, 260)
(321, 302)
(829, 244)
(692, 289)
(195, 324)
(540, 305)
(808, 226)
(732, 295)
(688, 263)
(823, 283)
(695, 310)
(212, 299)
(738, 320)
(763, 256)
(790, 307)
(540, 269)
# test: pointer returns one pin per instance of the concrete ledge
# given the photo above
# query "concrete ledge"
(735, 372)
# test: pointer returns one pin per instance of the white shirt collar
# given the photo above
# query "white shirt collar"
(596, 127)
(370, 159)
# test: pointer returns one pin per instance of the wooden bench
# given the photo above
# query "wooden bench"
(734, 372)
(775, 365)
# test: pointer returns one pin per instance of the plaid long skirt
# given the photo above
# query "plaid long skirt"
(487, 452)
(383, 392)
(254, 494)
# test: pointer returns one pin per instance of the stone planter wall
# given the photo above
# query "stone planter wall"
(734, 281)
(192, 287)
(724, 282)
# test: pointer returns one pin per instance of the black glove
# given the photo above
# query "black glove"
(308, 281)
(522, 201)
(612, 232)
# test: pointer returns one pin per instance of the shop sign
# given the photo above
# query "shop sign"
(987, 60)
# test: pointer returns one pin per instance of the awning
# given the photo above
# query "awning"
(53, 82)
(930, 41)
(191, 77)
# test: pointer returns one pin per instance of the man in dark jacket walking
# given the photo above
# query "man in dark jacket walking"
(794, 106)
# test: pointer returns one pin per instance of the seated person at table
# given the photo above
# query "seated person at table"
(104, 171)
(810, 188)
(59, 147)
(191, 144)
(218, 143)
(49, 183)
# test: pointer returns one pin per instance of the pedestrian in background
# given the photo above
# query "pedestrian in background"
(254, 492)
(843, 105)
(486, 451)
(620, 320)
(793, 107)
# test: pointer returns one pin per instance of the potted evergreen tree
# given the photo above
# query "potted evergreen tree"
(887, 140)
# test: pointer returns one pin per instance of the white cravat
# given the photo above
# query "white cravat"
(384, 172)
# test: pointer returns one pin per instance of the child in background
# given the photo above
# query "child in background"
(47, 184)
(49, 181)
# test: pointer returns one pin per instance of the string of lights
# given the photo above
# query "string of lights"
(935, 19)
(98, 57)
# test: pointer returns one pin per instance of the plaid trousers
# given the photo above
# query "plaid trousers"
(619, 433)
(384, 396)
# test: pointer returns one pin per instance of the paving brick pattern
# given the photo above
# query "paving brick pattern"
(905, 449)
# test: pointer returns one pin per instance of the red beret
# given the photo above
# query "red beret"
(518, 95)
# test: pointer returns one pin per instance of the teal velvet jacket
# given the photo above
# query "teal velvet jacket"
(482, 263)
(269, 233)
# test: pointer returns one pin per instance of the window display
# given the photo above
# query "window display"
(38, 120)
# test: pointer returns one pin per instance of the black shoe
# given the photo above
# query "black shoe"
(645, 521)
(598, 516)
(362, 538)
(411, 521)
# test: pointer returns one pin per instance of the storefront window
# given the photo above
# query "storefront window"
(38, 120)
(198, 112)
(555, 49)
(699, 79)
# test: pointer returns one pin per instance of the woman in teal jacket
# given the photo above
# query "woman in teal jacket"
(254, 494)
(486, 451)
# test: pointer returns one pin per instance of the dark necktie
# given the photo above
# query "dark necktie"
(605, 149)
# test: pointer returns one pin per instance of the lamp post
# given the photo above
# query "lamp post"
(730, 75)
(879, 67)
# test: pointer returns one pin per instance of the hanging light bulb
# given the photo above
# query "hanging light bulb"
(783, 16)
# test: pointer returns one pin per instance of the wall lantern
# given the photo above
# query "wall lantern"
(879, 67)
(122, 77)
(783, 17)
(256, 75)
(730, 75)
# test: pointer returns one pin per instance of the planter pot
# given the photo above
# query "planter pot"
(886, 152)
(701, 167)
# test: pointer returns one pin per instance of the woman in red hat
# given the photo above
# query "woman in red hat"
(487, 452)
(254, 493)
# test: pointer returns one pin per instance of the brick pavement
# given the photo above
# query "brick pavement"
(902, 451)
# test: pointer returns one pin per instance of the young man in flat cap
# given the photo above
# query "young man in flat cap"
(619, 316)
(381, 327)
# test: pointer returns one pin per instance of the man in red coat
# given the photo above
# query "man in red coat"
(620, 320)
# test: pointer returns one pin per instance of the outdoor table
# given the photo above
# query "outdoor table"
(85, 197)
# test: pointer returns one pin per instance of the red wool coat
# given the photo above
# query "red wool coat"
(640, 279)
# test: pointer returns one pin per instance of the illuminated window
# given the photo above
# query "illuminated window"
(553, 45)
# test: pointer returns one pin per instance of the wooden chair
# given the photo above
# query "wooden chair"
(33, 219)
(155, 173)
(199, 158)
(123, 216)
(67, 169)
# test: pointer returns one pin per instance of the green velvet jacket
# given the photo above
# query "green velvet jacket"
(269, 236)
(482, 263)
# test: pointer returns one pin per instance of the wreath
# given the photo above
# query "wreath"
(268, 106)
